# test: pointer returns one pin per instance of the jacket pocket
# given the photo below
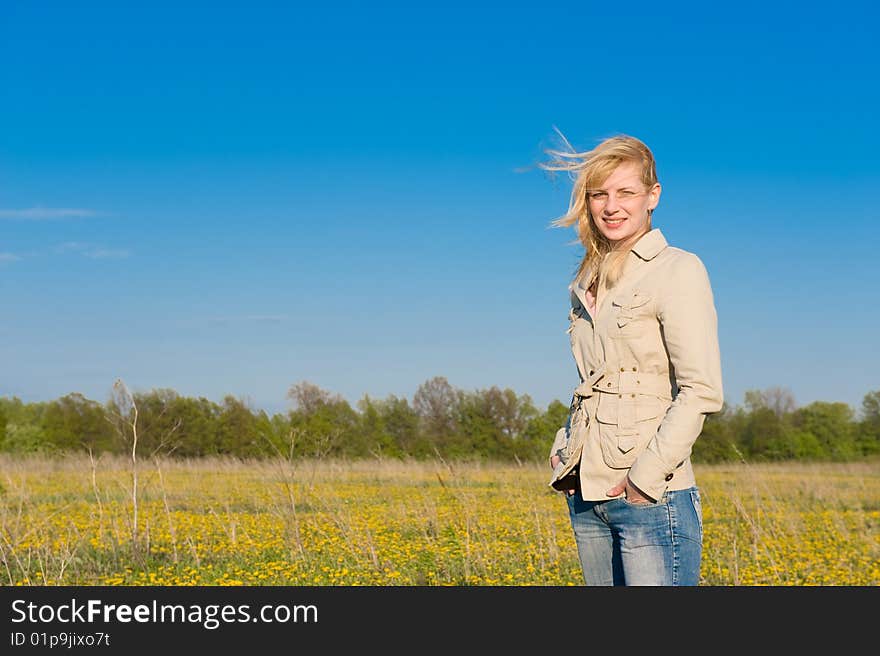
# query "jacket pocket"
(629, 310)
(626, 424)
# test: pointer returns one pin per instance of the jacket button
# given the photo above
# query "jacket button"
(592, 372)
(620, 396)
(634, 396)
(668, 478)
(621, 369)
(609, 384)
(634, 369)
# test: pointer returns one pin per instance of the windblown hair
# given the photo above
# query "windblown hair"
(589, 170)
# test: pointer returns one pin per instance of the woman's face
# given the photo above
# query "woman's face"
(620, 206)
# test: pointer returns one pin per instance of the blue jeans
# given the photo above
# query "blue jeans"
(623, 543)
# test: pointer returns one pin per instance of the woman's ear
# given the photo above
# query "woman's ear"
(655, 195)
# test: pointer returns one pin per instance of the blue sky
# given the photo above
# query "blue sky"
(229, 198)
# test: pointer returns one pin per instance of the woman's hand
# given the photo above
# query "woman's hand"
(633, 494)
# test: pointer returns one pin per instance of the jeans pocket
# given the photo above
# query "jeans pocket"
(645, 504)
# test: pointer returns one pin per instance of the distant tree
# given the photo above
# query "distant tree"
(276, 436)
(832, 426)
(307, 397)
(402, 423)
(766, 431)
(435, 402)
(376, 438)
(74, 423)
(26, 438)
(159, 425)
(478, 434)
(509, 411)
(868, 428)
(754, 400)
(540, 431)
(763, 435)
(3, 421)
(198, 431)
(24, 431)
(871, 407)
(778, 399)
(325, 424)
(15, 410)
(803, 445)
(238, 433)
(717, 441)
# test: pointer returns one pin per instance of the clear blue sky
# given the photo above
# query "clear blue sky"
(229, 198)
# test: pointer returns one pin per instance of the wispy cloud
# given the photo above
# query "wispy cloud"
(91, 250)
(9, 257)
(250, 318)
(46, 213)
(107, 253)
(69, 246)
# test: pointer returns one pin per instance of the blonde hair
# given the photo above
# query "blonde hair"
(589, 170)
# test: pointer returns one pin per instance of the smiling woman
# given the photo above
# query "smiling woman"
(612, 201)
(623, 204)
(643, 332)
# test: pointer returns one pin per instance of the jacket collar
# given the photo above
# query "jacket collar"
(650, 244)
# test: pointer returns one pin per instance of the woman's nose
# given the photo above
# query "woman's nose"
(611, 204)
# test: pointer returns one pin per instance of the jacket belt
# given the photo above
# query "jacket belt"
(636, 382)
(587, 388)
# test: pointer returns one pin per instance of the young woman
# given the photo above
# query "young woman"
(643, 331)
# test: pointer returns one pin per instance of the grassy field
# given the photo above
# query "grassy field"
(74, 521)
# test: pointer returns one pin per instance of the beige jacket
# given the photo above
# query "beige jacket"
(650, 372)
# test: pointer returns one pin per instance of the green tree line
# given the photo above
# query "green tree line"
(440, 420)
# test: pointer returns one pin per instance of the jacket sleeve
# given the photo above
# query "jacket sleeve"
(558, 444)
(686, 311)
